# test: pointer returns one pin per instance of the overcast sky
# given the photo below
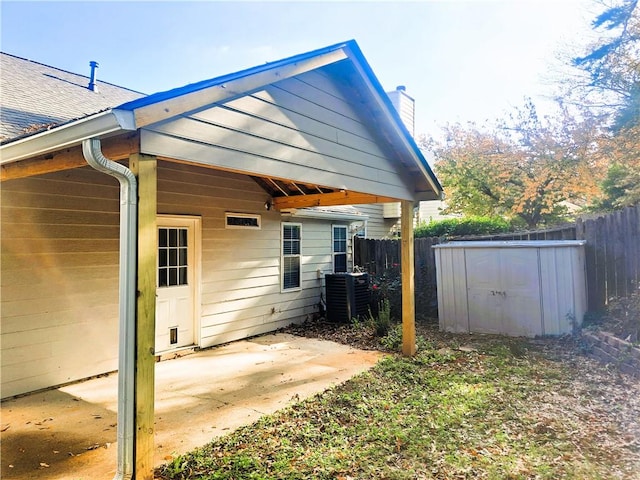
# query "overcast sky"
(460, 60)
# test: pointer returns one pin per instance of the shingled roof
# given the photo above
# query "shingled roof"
(37, 96)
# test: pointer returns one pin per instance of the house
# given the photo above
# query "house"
(230, 206)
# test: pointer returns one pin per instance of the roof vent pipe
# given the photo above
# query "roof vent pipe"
(92, 80)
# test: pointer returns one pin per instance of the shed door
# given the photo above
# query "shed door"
(176, 283)
(522, 314)
(483, 280)
(504, 291)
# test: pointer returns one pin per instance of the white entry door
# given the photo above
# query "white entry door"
(178, 241)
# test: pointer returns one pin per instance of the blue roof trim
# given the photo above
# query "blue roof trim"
(391, 110)
(194, 87)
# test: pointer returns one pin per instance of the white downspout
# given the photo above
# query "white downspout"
(127, 300)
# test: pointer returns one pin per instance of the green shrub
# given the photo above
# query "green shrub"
(386, 287)
(392, 340)
(457, 227)
(382, 321)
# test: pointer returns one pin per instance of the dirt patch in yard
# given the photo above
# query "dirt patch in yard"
(622, 318)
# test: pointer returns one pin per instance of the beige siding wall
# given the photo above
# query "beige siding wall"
(59, 274)
(432, 211)
(60, 269)
(301, 129)
(378, 227)
(240, 294)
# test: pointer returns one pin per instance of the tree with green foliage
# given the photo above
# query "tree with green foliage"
(458, 227)
(528, 169)
(523, 170)
(621, 184)
(612, 65)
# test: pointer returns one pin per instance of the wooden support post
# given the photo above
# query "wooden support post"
(145, 169)
(408, 288)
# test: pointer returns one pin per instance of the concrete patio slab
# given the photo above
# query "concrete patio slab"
(70, 433)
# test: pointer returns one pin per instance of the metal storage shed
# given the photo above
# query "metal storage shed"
(517, 288)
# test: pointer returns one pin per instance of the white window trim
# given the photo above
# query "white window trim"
(282, 257)
(333, 252)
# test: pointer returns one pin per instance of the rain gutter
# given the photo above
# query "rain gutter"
(127, 301)
(67, 135)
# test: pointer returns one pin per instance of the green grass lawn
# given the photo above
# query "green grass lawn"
(501, 409)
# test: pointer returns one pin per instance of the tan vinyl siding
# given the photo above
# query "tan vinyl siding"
(431, 211)
(378, 227)
(300, 128)
(240, 291)
(59, 236)
(60, 269)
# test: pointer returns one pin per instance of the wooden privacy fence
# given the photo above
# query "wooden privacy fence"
(381, 258)
(612, 257)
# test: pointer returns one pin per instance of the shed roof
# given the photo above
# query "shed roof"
(511, 244)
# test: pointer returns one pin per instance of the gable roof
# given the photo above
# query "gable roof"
(343, 63)
(37, 96)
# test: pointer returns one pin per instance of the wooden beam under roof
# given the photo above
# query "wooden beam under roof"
(328, 199)
(277, 187)
(114, 148)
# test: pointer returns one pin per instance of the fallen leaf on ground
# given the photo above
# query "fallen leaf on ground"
(467, 348)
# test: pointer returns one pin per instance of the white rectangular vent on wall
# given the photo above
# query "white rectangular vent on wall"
(391, 210)
(242, 220)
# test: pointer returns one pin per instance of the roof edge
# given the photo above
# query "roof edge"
(69, 72)
(164, 105)
(393, 115)
(216, 81)
(67, 135)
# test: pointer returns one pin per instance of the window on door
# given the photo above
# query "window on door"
(339, 249)
(291, 256)
(172, 257)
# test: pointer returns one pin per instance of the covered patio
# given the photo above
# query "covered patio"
(312, 130)
(70, 432)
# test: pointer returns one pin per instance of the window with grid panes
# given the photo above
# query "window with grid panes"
(339, 248)
(291, 255)
(172, 257)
